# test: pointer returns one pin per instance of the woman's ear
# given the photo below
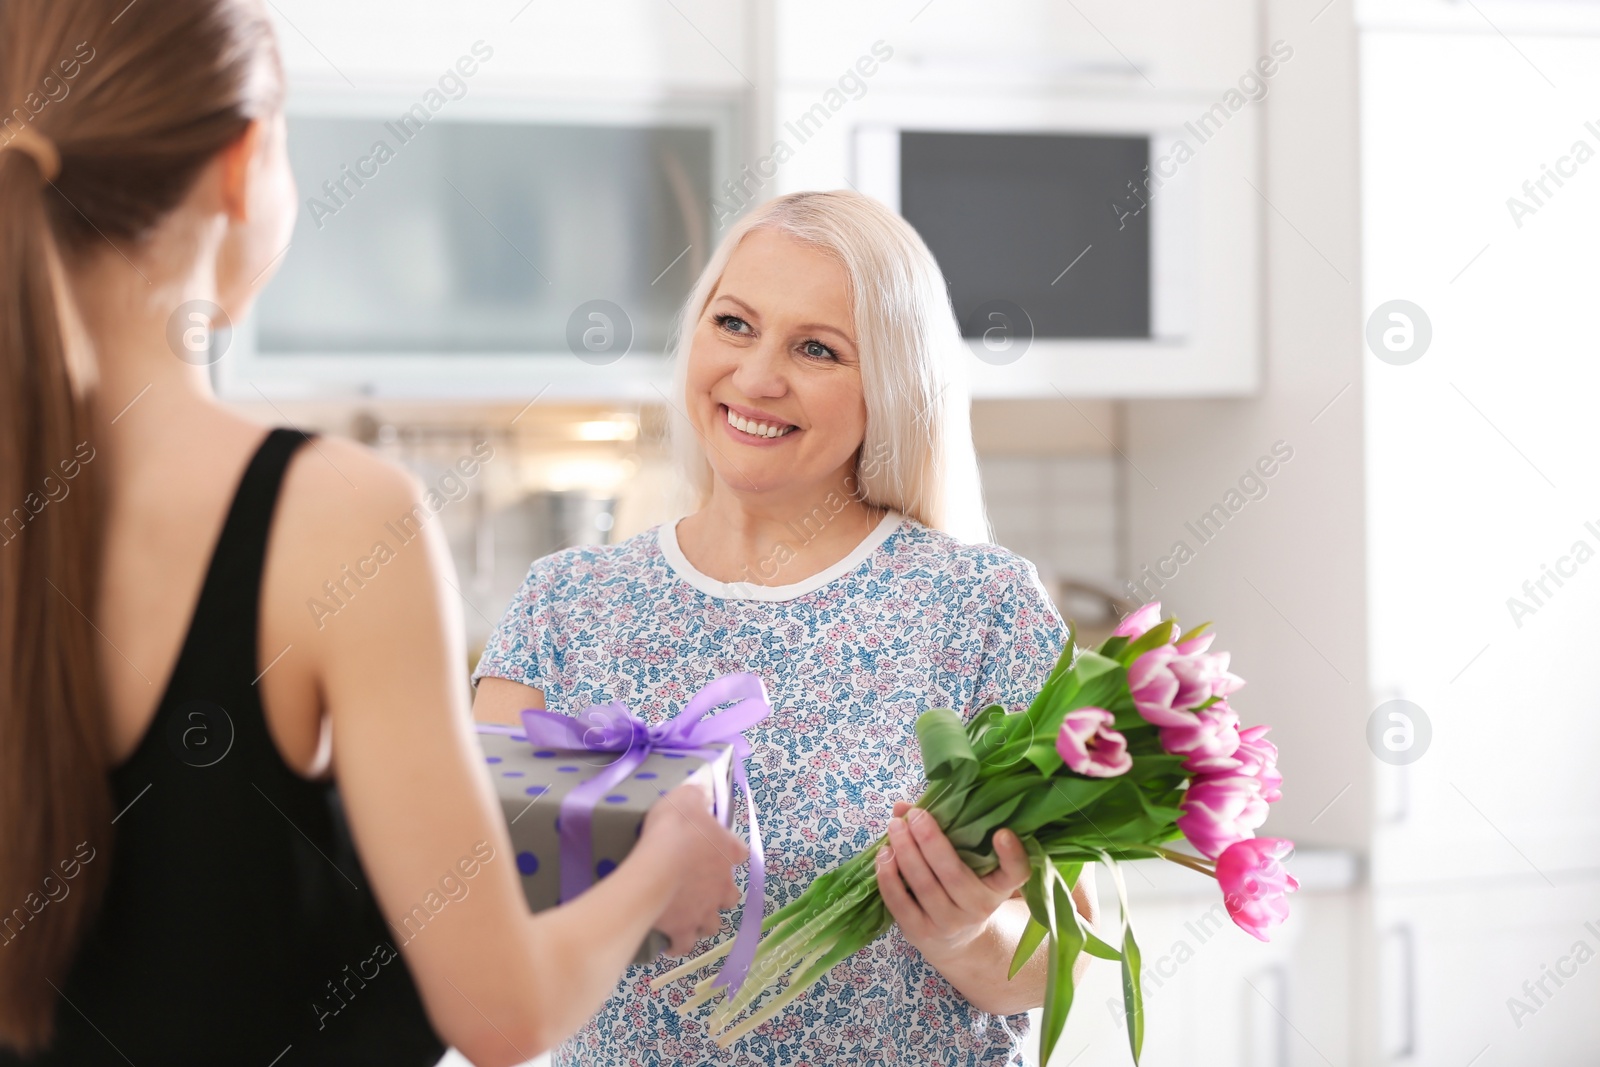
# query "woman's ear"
(238, 166)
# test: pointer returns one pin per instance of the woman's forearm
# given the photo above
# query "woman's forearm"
(580, 968)
(978, 969)
(978, 972)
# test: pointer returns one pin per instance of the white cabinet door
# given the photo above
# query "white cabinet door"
(1481, 196)
(571, 51)
(1215, 995)
(1492, 977)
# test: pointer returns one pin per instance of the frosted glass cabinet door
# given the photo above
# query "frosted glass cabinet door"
(1479, 468)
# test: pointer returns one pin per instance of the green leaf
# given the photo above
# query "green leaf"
(1053, 799)
(1132, 993)
(1096, 947)
(1158, 812)
(1069, 873)
(943, 739)
(1092, 665)
(1153, 637)
(948, 761)
(1095, 681)
(991, 793)
(1146, 767)
(1032, 934)
(1069, 654)
(1065, 945)
(1033, 890)
(945, 798)
(1196, 632)
(1111, 647)
(971, 834)
(982, 719)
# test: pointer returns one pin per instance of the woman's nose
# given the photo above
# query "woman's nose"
(763, 370)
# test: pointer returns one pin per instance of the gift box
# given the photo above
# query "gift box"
(532, 781)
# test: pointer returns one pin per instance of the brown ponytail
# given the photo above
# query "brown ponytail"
(135, 100)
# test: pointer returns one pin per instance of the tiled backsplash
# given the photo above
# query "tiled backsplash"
(1061, 512)
(1051, 478)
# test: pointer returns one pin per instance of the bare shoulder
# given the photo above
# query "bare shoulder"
(335, 485)
(347, 516)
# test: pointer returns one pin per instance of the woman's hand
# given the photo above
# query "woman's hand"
(681, 831)
(940, 904)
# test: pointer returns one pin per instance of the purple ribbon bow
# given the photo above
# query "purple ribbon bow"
(613, 728)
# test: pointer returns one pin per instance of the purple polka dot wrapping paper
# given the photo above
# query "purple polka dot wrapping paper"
(531, 784)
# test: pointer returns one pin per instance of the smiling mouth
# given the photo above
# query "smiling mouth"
(754, 428)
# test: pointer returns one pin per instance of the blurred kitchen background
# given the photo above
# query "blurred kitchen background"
(1244, 277)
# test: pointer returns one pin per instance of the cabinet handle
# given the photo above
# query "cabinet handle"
(1405, 988)
(1275, 979)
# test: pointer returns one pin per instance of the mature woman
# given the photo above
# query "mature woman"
(230, 834)
(827, 444)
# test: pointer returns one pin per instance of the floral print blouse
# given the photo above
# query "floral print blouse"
(912, 619)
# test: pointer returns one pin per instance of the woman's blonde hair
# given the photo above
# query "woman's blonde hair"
(917, 455)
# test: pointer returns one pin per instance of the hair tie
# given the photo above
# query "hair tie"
(31, 142)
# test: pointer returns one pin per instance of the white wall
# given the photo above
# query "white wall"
(1284, 578)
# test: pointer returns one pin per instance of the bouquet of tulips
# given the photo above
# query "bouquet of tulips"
(1127, 747)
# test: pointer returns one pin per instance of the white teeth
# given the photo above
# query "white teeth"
(755, 429)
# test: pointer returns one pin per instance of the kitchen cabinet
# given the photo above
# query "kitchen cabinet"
(1003, 85)
(1492, 975)
(1486, 843)
(1470, 473)
(1213, 994)
(577, 52)
(747, 71)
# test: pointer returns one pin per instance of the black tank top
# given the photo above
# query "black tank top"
(238, 927)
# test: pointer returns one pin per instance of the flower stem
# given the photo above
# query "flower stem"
(1194, 863)
(694, 963)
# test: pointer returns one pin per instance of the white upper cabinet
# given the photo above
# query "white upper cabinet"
(1481, 182)
(1089, 177)
(572, 51)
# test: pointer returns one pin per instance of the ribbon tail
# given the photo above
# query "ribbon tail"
(743, 953)
(729, 687)
(577, 822)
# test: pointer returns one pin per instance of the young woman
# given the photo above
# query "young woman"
(233, 833)
(828, 451)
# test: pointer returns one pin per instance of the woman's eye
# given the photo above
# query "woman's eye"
(818, 350)
(732, 323)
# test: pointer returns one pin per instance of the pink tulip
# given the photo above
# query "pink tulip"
(1210, 743)
(1166, 685)
(1196, 644)
(1258, 759)
(1154, 687)
(1254, 881)
(1221, 810)
(1134, 626)
(1202, 675)
(1088, 745)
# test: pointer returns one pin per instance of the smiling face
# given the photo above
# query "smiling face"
(774, 373)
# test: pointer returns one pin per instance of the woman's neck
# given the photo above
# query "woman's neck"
(142, 386)
(775, 540)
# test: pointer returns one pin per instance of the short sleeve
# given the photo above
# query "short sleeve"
(521, 648)
(1023, 638)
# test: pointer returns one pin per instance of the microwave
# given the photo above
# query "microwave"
(1093, 245)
